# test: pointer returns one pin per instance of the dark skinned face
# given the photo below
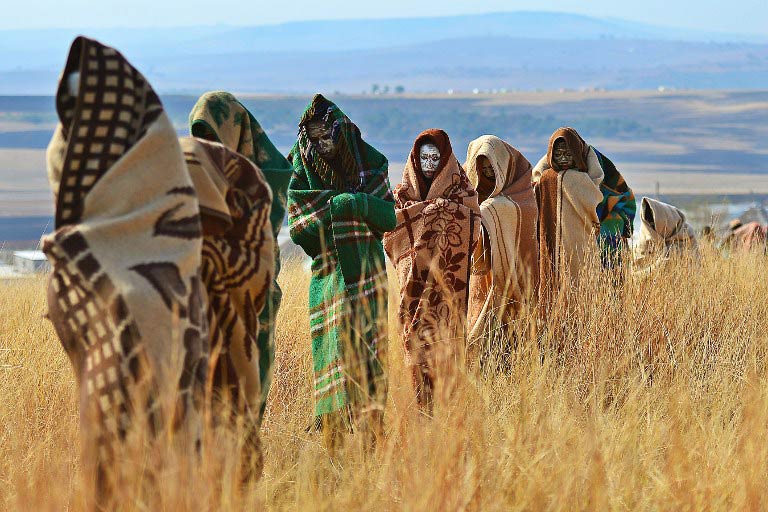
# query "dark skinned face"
(485, 167)
(320, 136)
(562, 155)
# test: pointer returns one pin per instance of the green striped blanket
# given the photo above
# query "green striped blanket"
(338, 214)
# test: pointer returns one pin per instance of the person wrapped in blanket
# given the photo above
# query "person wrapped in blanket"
(665, 234)
(339, 207)
(140, 289)
(438, 227)
(219, 117)
(506, 260)
(744, 237)
(582, 200)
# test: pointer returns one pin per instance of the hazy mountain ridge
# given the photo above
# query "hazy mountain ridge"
(489, 51)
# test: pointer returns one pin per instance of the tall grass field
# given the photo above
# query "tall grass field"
(645, 394)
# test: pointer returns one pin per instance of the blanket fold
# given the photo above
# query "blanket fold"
(664, 233)
(237, 265)
(568, 221)
(337, 213)
(505, 266)
(438, 225)
(125, 295)
(219, 117)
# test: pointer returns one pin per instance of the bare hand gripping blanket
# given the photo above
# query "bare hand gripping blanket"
(218, 116)
(506, 261)
(338, 212)
(664, 234)
(125, 294)
(437, 229)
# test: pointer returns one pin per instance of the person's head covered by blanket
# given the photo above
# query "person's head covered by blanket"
(125, 295)
(438, 224)
(665, 234)
(616, 210)
(505, 264)
(219, 117)
(339, 206)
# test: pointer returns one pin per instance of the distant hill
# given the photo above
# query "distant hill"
(523, 50)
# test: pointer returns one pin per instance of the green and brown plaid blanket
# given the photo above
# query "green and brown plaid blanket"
(338, 213)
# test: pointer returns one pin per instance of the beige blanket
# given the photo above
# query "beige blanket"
(568, 224)
(505, 266)
(125, 295)
(664, 234)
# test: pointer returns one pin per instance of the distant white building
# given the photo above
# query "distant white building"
(30, 262)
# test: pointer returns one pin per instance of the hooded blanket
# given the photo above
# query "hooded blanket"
(237, 264)
(218, 116)
(438, 225)
(616, 210)
(505, 266)
(664, 233)
(338, 212)
(568, 223)
(124, 295)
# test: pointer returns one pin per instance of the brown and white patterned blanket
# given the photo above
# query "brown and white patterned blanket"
(160, 257)
(437, 229)
(237, 263)
(125, 295)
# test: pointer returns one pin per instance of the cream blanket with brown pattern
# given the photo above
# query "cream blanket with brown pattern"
(155, 262)
(125, 295)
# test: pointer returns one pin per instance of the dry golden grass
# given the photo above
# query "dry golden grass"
(658, 399)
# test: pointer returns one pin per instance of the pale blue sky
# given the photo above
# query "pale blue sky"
(734, 16)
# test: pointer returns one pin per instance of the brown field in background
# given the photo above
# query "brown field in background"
(657, 399)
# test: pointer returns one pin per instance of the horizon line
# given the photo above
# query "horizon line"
(614, 19)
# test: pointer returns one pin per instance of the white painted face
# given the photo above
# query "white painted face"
(430, 158)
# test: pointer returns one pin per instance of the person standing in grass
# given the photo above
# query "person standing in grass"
(584, 203)
(219, 117)
(339, 207)
(506, 261)
(438, 225)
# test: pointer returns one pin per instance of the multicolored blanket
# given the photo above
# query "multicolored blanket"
(218, 116)
(616, 212)
(505, 263)
(125, 294)
(338, 212)
(664, 234)
(438, 226)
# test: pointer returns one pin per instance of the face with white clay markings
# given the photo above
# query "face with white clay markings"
(429, 156)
